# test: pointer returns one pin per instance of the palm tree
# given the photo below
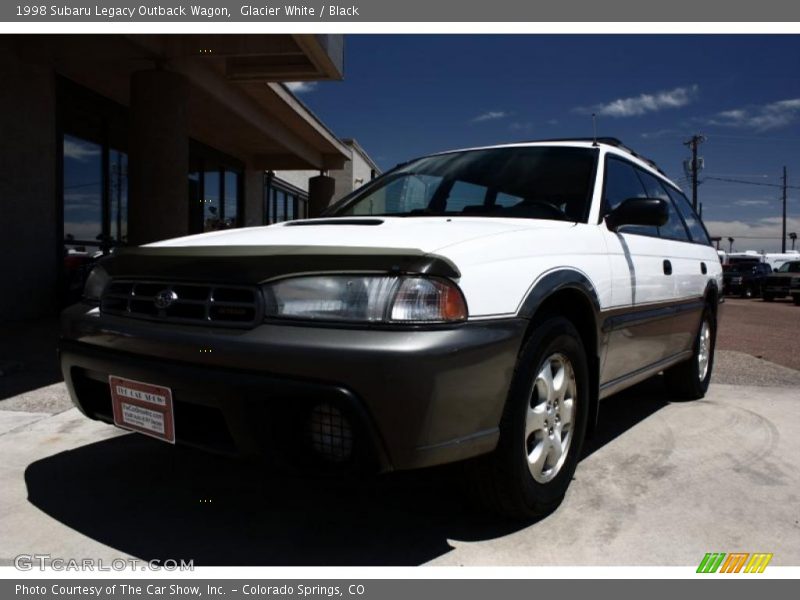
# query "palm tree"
(730, 247)
(793, 237)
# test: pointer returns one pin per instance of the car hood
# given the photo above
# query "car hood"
(425, 234)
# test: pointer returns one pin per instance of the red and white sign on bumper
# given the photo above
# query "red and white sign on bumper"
(143, 407)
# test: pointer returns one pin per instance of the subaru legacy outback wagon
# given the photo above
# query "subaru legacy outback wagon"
(476, 304)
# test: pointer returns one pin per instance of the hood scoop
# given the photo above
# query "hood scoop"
(313, 222)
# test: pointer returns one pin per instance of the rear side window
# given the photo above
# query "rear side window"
(693, 224)
(622, 183)
(673, 229)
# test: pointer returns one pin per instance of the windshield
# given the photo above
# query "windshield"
(790, 267)
(522, 182)
(740, 268)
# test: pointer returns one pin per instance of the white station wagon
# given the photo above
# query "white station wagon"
(475, 304)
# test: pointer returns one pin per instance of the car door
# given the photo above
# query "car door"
(688, 272)
(643, 283)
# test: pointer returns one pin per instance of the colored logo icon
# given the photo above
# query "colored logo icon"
(735, 562)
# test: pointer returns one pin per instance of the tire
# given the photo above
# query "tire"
(503, 480)
(768, 297)
(796, 300)
(689, 380)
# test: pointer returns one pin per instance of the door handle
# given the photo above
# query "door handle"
(703, 268)
(667, 267)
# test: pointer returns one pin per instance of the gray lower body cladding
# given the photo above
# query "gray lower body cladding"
(417, 398)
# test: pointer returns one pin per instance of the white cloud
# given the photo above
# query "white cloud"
(520, 126)
(78, 150)
(635, 106)
(761, 234)
(761, 118)
(301, 87)
(751, 202)
(660, 133)
(491, 115)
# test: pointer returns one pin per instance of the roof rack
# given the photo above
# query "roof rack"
(608, 141)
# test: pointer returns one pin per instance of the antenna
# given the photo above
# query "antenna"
(594, 129)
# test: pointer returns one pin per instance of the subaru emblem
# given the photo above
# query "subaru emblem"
(164, 299)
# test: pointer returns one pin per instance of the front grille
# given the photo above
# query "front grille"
(777, 282)
(178, 302)
(330, 433)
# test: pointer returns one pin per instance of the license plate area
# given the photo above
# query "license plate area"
(143, 407)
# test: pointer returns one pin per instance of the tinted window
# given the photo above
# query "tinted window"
(463, 195)
(524, 182)
(673, 229)
(790, 267)
(622, 183)
(696, 229)
(83, 190)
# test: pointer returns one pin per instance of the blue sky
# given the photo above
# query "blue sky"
(403, 96)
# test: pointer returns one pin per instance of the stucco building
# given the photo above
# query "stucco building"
(108, 140)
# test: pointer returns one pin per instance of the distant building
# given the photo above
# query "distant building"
(126, 139)
(289, 190)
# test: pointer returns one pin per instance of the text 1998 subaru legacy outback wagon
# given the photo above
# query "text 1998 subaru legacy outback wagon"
(476, 303)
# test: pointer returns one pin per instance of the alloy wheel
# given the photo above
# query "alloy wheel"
(704, 350)
(550, 418)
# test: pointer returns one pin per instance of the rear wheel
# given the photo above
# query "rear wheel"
(768, 297)
(689, 380)
(542, 428)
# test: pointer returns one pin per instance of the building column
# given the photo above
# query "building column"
(29, 221)
(159, 157)
(253, 197)
(320, 192)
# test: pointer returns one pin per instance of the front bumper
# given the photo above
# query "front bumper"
(776, 289)
(416, 397)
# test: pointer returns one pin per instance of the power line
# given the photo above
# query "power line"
(755, 237)
(775, 185)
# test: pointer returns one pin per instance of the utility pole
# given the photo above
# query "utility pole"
(783, 230)
(693, 143)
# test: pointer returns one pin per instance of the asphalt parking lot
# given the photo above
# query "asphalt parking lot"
(661, 483)
(768, 330)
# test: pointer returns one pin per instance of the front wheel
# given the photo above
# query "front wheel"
(689, 380)
(542, 428)
(796, 299)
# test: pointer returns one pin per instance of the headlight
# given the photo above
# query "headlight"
(367, 298)
(96, 284)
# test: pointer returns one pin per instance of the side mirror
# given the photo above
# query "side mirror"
(638, 211)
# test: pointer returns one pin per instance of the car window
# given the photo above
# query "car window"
(790, 267)
(693, 224)
(463, 195)
(536, 182)
(405, 194)
(506, 200)
(674, 228)
(622, 183)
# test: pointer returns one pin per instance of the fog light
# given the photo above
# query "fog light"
(330, 433)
